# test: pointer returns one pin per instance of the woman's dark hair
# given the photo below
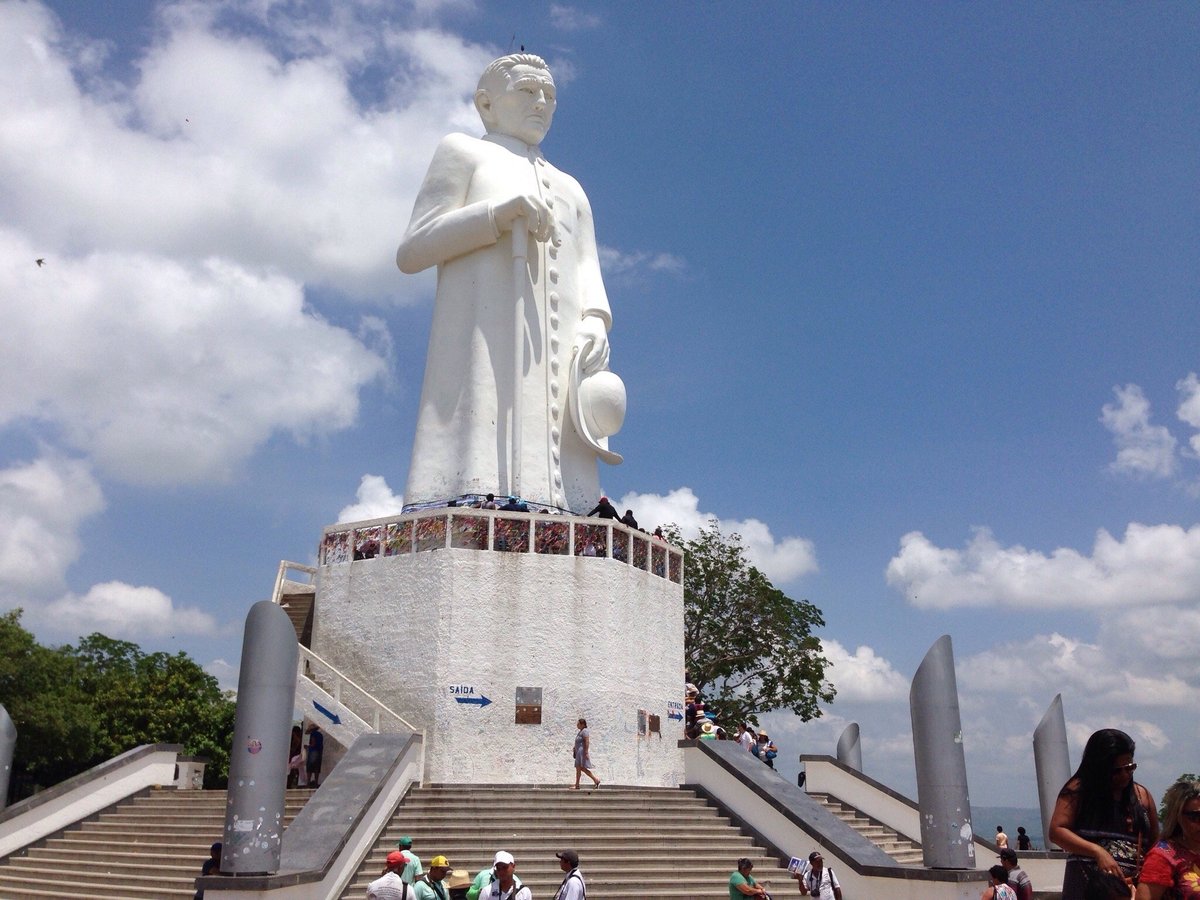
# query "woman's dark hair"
(744, 863)
(1095, 772)
(999, 873)
(582, 722)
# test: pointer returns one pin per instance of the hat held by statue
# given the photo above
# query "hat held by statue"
(597, 402)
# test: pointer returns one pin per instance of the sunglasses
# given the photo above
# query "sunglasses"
(1192, 815)
(1128, 767)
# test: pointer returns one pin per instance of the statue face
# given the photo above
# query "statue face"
(523, 106)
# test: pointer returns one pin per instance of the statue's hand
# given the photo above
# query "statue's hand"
(538, 216)
(592, 341)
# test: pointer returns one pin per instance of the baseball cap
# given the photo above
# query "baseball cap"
(404, 843)
(439, 862)
(504, 857)
(570, 856)
(396, 858)
(816, 854)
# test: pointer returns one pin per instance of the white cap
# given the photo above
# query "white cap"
(504, 857)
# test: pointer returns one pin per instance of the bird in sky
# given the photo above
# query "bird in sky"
(41, 261)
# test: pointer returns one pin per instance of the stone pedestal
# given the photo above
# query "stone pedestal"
(474, 625)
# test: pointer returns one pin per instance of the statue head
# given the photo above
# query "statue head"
(516, 96)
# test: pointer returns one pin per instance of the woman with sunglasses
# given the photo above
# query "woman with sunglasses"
(1172, 867)
(1104, 820)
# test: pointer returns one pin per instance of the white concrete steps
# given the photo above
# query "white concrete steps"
(634, 842)
(900, 848)
(150, 846)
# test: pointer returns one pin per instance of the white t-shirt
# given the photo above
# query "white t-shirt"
(572, 888)
(828, 881)
(746, 740)
(389, 887)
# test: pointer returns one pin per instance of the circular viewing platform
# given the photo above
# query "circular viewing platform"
(465, 528)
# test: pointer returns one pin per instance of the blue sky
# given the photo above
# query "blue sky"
(904, 293)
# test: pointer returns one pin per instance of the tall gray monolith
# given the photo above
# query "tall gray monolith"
(8, 745)
(946, 835)
(1051, 761)
(261, 741)
(849, 750)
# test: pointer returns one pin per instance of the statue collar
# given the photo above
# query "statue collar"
(516, 145)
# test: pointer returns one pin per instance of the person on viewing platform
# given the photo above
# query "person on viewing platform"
(659, 534)
(1001, 837)
(1103, 819)
(1172, 867)
(1023, 842)
(605, 510)
(629, 520)
(490, 502)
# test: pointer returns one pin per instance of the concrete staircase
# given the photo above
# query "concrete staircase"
(632, 842)
(149, 846)
(904, 851)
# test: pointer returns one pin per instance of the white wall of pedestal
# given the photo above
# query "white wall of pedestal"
(600, 638)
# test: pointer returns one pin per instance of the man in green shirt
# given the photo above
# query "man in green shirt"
(413, 869)
(429, 886)
(742, 883)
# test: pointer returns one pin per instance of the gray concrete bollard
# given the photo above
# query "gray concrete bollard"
(8, 745)
(261, 742)
(947, 839)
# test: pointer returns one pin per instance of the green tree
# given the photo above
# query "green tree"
(149, 698)
(40, 688)
(75, 707)
(748, 647)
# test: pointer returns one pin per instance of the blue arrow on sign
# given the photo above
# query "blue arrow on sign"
(481, 702)
(333, 717)
(675, 715)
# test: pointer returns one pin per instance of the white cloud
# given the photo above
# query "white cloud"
(616, 263)
(781, 560)
(374, 500)
(1189, 406)
(571, 18)
(225, 672)
(1153, 564)
(168, 372)
(863, 676)
(253, 161)
(124, 611)
(42, 505)
(1142, 448)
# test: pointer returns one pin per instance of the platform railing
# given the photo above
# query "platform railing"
(350, 695)
(465, 528)
(281, 577)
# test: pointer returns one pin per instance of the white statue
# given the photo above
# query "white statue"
(520, 327)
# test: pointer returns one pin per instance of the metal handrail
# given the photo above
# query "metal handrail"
(284, 567)
(308, 658)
